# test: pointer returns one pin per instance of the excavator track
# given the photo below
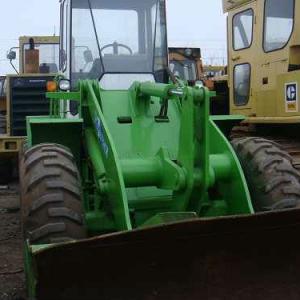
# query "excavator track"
(291, 145)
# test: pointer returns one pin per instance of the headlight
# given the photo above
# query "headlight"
(64, 85)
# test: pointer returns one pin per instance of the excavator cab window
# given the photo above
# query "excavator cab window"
(278, 23)
(126, 39)
(242, 24)
(242, 75)
(243, 30)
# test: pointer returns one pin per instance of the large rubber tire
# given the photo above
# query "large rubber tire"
(273, 181)
(50, 195)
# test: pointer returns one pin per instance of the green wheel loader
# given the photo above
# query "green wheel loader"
(130, 190)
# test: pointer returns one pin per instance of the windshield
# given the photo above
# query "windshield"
(185, 69)
(48, 55)
(118, 37)
(279, 22)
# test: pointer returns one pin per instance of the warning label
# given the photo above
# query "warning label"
(291, 97)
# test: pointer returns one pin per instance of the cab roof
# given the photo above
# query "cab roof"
(231, 4)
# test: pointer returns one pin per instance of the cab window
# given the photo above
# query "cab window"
(241, 75)
(243, 29)
(278, 23)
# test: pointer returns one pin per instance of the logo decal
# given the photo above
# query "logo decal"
(291, 97)
(101, 137)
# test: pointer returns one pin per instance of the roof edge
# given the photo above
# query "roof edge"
(231, 4)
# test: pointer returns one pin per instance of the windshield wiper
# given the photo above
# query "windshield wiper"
(97, 38)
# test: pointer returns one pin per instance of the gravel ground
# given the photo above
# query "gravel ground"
(11, 260)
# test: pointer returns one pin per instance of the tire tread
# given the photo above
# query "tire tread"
(50, 195)
(273, 181)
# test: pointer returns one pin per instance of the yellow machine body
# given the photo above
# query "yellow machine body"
(264, 60)
(23, 94)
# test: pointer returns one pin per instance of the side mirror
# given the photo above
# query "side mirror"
(12, 55)
(88, 56)
(62, 59)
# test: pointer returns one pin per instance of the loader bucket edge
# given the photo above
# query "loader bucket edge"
(223, 258)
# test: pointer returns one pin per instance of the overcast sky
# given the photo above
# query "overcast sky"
(197, 23)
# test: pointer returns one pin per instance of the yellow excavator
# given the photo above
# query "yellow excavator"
(264, 74)
(264, 64)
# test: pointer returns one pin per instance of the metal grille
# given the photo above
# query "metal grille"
(27, 98)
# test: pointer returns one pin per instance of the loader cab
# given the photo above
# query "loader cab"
(264, 58)
(116, 42)
(36, 55)
(186, 64)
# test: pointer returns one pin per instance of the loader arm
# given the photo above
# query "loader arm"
(186, 178)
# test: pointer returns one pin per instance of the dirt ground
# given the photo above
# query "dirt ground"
(11, 264)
